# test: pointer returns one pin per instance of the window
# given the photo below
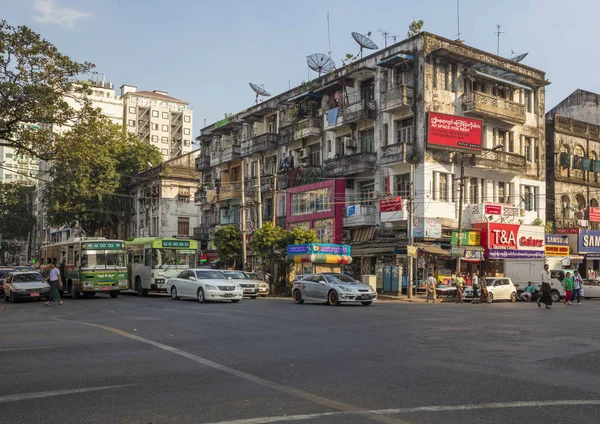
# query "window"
(474, 190)
(147, 257)
(165, 128)
(155, 113)
(529, 101)
(311, 201)
(443, 187)
(164, 151)
(501, 192)
(529, 198)
(367, 140)
(581, 203)
(367, 188)
(367, 89)
(186, 143)
(164, 139)
(9, 155)
(435, 71)
(566, 207)
(187, 119)
(402, 185)
(155, 138)
(186, 131)
(386, 134)
(404, 131)
(131, 122)
(183, 226)
(528, 148)
(165, 115)
(444, 77)
(315, 155)
(8, 176)
(132, 109)
(324, 230)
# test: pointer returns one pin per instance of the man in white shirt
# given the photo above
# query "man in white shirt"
(546, 298)
(431, 288)
(54, 281)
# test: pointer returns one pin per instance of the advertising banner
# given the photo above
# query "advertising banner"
(512, 241)
(323, 248)
(454, 133)
(391, 204)
(595, 214)
(427, 228)
(469, 238)
(589, 241)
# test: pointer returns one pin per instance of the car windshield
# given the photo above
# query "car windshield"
(339, 278)
(210, 275)
(235, 275)
(27, 278)
(103, 259)
(490, 281)
(252, 276)
(172, 258)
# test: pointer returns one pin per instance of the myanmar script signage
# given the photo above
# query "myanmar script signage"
(322, 248)
(468, 238)
(512, 241)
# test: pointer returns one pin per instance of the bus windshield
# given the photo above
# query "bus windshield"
(102, 259)
(171, 258)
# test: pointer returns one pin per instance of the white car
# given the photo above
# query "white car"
(242, 278)
(499, 288)
(25, 285)
(204, 285)
(333, 288)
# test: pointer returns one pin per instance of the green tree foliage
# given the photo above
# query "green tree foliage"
(16, 215)
(35, 80)
(269, 242)
(300, 235)
(228, 241)
(415, 28)
(96, 161)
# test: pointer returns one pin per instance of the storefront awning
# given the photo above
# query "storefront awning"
(318, 258)
(372, 250)
(432, 250)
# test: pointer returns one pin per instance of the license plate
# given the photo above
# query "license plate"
(34, 294)
(106, 288)
(366, 296)
(228, 295)
(248, 290)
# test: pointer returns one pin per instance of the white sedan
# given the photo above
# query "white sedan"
(204, 285)
(498, 289)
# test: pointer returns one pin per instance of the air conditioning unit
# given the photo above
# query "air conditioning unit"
(226, 212)
(349, 142)
(303, 154)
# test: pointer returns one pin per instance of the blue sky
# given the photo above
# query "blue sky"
(206, 52)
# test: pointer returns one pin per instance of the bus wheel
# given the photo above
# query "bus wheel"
(138, 288)
(113, 294)
(75, 294)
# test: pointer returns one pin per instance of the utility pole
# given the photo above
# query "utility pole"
(275, 198)
(409, 228)
(461, 196)
(259, 196)
(243, 218)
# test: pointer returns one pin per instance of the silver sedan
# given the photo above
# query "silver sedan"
(333, 288)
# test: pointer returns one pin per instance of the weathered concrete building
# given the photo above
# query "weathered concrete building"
(367, 125)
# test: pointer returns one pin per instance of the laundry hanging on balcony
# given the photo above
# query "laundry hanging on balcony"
(332, 115)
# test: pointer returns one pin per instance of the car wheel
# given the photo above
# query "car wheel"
(174, 293)
(252, 297)
(367, 303)
(490, 298)
(586, 298)
(235, 300)
(332, 298)
(200, 296)
(142, 292)
(13, 297)
(555, 296)
(113, 294)
(513, 297)
(298, 297)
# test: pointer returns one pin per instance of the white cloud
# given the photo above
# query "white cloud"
(48, 12)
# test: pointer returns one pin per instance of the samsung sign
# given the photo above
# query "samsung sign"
(589, 241)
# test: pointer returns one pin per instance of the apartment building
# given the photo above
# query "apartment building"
(17, 167)
(163, 121)
(338, 152)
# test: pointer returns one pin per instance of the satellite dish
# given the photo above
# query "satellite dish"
(517, 57)
(364, 42)
(259, 90)
(319, 62)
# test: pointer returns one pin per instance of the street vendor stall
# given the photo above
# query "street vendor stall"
(317, 257)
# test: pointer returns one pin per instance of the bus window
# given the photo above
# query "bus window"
(147, 257)
(70, 257)
(76, 259)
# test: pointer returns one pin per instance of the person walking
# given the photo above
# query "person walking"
(431, 288)
(459, 282)
(546, 297)
(577, 284)
(475, 284)
(568, 284)
(55, 281)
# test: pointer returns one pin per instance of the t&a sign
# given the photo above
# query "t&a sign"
(512, 241)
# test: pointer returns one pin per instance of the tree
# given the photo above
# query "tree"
(415, 28)
(35, 82)
(299, 235)
(228, 241)
(88, 183)
(16, 216)
(269, 244)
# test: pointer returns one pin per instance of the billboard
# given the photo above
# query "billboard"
(427, 228)
(468, 238)
(594, 214)
(512, 241)
(589, 241)
(323, 248)
(456, 133)
(557, 245)
(392, 204)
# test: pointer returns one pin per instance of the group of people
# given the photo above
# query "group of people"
(573, 286)
(460, 281)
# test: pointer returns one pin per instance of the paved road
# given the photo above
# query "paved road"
(155, 360)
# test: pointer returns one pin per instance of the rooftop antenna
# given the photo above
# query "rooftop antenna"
(259, 90)
(517, 57)
(320, 63)
(458, 20)
(364, 42)
(498, 32)
(328, 34)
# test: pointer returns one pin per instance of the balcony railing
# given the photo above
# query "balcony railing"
(479, 103)
(500, 160)
(225, 155)
(202, 162)
(395, 153)
(360, 216)
(395, 97)
(579, 128)
(350, 165)
(229, 191)
(260, 143)
(349, 113)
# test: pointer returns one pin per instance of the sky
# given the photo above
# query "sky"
(206, 52)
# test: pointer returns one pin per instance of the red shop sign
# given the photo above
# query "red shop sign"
(493, 210)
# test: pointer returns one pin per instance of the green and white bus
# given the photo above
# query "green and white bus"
(153, 260)
(88, 265)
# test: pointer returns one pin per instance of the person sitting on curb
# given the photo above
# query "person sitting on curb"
(528, 293)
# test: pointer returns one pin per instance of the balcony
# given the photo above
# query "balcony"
(500, 160)
(200, 197)
(350, 165)
(477, 103)
(299, 176)
(349, 113)
(306, 127)
(260, 143)
(395, 153)
(576, 128)
(396, 97)
(229, 191)
(202, 163)
(360, 216)
(225, 155)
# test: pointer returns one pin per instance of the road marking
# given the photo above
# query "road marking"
(330, 403)
(38, 395)
(435, 408)
(13, 349)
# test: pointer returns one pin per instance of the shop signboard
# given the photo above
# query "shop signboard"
(455, 133)
(323, 248)
(392, 204)
(557, 245)
(491, 209)
(473, 255)
(589, 241)
(567, 231)
(512, 241)
(412, 251)
(427, 228)
(468, 238)
(595, 214)
(457, 251)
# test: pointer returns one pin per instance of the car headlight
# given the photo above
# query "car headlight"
(88, 283)
(345, 289)
(210, 287)
(238, 287)
(159, 281)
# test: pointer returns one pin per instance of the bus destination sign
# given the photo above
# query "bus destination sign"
(103, 245)
(176, 243)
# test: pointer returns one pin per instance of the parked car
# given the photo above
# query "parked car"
(23, 268)
(204, 285)
(498, 289)
(591, 288)
(25, 285)
(557, 291)
(249, 287)
(333, 288)
(3, 273)
(263, 286)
